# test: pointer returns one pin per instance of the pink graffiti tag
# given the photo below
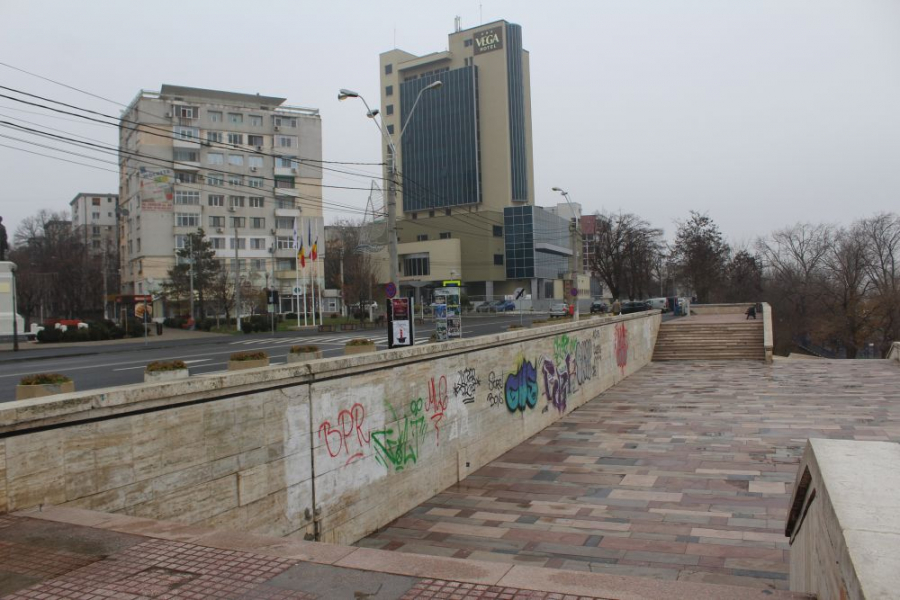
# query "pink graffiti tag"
(621, 347)
(437, 404)
(340, 439)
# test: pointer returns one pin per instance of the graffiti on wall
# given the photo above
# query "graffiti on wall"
(466, 385)
(520, 389)
(495, 390)
(571, 365)
(348, 436)
(397, 445)
(621, 335)
(437, 404)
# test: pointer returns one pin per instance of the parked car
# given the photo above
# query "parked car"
(635, 306)
(598, 306)
(560, 309)
(489, 306)
(506, 305)
(658, 304)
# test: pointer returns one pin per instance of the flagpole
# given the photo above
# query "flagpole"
(297, 273)
(317, 273)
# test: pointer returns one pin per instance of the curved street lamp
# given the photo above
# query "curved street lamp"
(576, 244)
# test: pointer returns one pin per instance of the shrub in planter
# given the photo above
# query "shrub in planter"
(43, 384)
(49, 335)
(303, 353)
(247, 360)
(359, 346)
(166, 370)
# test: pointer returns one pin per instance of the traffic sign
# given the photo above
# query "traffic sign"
(390, 290)
(574, 292)
(297, 290)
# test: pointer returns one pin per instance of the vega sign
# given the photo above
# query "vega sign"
(488, 40)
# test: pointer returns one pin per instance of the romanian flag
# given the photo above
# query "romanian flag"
(298, 245)
(315, 247)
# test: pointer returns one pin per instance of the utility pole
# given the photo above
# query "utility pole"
(392, 215)
(342, 279)
(105, 269)
(191, 271)
(237, 281)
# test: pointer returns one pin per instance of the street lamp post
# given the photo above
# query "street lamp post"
(392, 172)
(576, 245)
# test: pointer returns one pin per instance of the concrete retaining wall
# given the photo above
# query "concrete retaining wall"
(721, 309)
(248, 450)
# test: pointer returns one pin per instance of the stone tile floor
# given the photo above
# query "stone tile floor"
(683, 471)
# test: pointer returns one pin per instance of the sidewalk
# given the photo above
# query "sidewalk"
(170, 335)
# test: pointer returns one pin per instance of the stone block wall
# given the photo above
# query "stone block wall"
(249, 451)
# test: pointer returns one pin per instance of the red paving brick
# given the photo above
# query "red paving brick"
(693, 464)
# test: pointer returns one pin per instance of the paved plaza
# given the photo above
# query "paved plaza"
(683, 471)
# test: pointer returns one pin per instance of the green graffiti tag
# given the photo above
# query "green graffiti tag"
(563, 346)
(397, 445)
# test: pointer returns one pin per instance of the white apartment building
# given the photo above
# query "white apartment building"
(94, 219)
(244, 167)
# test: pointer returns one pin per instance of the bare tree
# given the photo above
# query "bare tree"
(626, 253)
(343, 249)
(881, 238)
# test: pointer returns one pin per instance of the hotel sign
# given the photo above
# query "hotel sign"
(488, 40)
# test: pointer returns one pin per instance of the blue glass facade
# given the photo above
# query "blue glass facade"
(440, 163)
(531, 235)
(517, 152)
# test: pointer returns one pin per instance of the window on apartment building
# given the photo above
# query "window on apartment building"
(498, 231)
(255, 140)
(241, 243)
(187, 112)
(255, 162)
(256, 201)
(187, 220)
(214, 115)
(389, 90)
(130, 247)
(445, 235)
(286, 141)
(235, 118)
(185, 177)
(138, 244)
(213, 178)
(284, 222)
(137, 221)
(282, 202)
(214, 137)
(257, 222)
(256, 120)
(284, 183)
(284, 243)
(185, 155)
(217, 243)
(214, 158)
(95, 201)
(285, 264)
(422, 237)
(186, 197)
(95, 216)
(389, 109)
(237, 222)
(280, 121)
(180, 242)
(390, 129)
(95, 244)
(236, 160)
(187, 133)
(236, 139)
(236, 201)
(388, 69)
(255, 182)
(234, 179)
(498, 259)
(257, 243)
(416, 265)
(216, 200)
(216, 221)
(95, 230)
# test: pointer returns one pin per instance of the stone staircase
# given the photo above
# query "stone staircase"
(702, 340)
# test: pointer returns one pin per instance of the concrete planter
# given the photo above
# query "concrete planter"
(160, 376)
(326, 328)
(363, 349)
(298, 357)
(239, 365)
(349, 327)
(24, 392)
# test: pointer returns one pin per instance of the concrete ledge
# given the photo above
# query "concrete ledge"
(843, 521)
(721, 309)
(768, 336)
(894, 352)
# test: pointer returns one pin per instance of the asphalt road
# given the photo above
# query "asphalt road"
(106, 365)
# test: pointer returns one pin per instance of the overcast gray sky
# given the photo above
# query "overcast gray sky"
(761, 112)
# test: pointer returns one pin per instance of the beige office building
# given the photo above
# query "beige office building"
(244, 167)
(94, 220)
(465, 156)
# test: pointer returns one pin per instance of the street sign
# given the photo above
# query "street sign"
(574, 292)
(297, 290)
(518, 293)
(390, 290)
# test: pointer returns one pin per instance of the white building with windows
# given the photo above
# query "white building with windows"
(244, 167)
(94, 219)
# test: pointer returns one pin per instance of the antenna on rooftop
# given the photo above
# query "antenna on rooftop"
(456, 20)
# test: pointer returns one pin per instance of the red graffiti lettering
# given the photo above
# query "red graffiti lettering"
(437, 404)
(339, 439)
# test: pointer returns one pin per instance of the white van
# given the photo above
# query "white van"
(658, 304)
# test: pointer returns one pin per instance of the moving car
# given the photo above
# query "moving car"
(560, 309)
(635, 306)
(598, 306)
